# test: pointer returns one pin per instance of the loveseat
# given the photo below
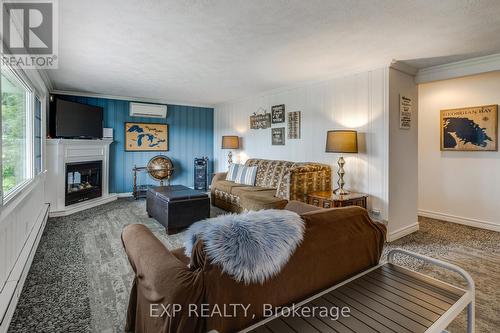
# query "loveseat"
(276, 183)
(338, 244)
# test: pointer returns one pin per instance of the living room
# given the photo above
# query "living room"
(214, 166)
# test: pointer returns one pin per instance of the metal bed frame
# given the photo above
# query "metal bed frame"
(461, 299)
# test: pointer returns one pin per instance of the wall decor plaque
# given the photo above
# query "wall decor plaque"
(260, 121)
(294, 125)
(470, 129)
(278, 136)
(146, 137)
(405, 104)
(278, 114)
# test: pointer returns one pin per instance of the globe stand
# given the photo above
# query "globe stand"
(159, 168)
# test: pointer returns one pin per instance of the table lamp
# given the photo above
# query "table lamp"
(341, 141)
(230, 142)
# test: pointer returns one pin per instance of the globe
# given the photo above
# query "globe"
(160, 168)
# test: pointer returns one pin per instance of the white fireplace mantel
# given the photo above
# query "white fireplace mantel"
(63, 151)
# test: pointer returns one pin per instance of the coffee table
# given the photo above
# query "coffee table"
(177, 206)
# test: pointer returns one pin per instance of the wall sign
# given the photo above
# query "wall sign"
(260, 121)
(278, 114)
(470, 129)
(278, 136)
(294, 125)
(404, 112)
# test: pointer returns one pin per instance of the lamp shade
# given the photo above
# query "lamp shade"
(341, 141)
(230, 142)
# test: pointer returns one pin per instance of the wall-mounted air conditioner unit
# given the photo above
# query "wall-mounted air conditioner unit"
(148, 110)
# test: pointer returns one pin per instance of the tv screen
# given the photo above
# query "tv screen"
(76, 120)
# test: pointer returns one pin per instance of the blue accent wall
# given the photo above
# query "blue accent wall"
(190, 135)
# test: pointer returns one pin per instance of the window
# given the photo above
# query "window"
(17, 137)
(38, 136)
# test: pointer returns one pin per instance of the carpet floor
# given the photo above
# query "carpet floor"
(80, 277)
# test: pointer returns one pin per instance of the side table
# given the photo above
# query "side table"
(326, 199)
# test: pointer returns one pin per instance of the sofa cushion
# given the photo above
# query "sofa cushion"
(257, 200)
(226, 185)
(300, 207)
(238, 191)
(180, 254)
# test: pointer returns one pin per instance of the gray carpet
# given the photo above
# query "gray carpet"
(80, 277)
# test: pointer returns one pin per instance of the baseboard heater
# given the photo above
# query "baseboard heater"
(15, 282)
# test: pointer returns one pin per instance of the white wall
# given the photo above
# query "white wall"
(403, 158)
(354, 102)
(462, 187)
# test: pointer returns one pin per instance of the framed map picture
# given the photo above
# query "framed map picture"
(278, 136)
(146, 137)
(470, 129)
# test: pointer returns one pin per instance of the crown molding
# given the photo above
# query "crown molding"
(461, 68)
(127, 98)
(404, 68)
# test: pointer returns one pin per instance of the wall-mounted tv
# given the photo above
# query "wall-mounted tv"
(77, 121)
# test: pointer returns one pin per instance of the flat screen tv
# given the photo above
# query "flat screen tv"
(77, 121)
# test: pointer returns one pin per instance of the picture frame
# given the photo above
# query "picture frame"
(278, 136)
(278, 114)
(294, 124)
(260, 121)
(469, 129)
(405, 110)
(146, 136)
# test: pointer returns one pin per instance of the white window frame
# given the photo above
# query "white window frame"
(42, 109)
(30, 137)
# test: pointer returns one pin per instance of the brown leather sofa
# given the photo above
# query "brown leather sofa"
(338, 243)
(277, 182)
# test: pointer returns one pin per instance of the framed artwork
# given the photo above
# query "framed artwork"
(260, 121)
(278, 114)
(294, 125)
(470, 129)
(146, 137)
(278, 136)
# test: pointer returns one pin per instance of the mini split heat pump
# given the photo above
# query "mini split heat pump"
(148, 110)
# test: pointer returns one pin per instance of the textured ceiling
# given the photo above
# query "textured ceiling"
(206, 52)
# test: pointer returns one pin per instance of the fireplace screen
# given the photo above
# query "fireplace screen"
(83, 181)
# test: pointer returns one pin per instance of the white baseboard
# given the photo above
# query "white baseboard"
(15, 282)
(124, 195)
(83, 205)
(392, 236)
(460, 220)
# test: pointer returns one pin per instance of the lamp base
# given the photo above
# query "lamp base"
(341, 191)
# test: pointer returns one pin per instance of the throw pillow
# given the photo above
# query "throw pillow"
(233, 171)
(246, 175)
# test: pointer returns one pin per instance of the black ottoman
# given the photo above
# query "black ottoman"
(177, 206)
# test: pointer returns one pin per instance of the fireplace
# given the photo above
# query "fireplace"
(83, 181)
